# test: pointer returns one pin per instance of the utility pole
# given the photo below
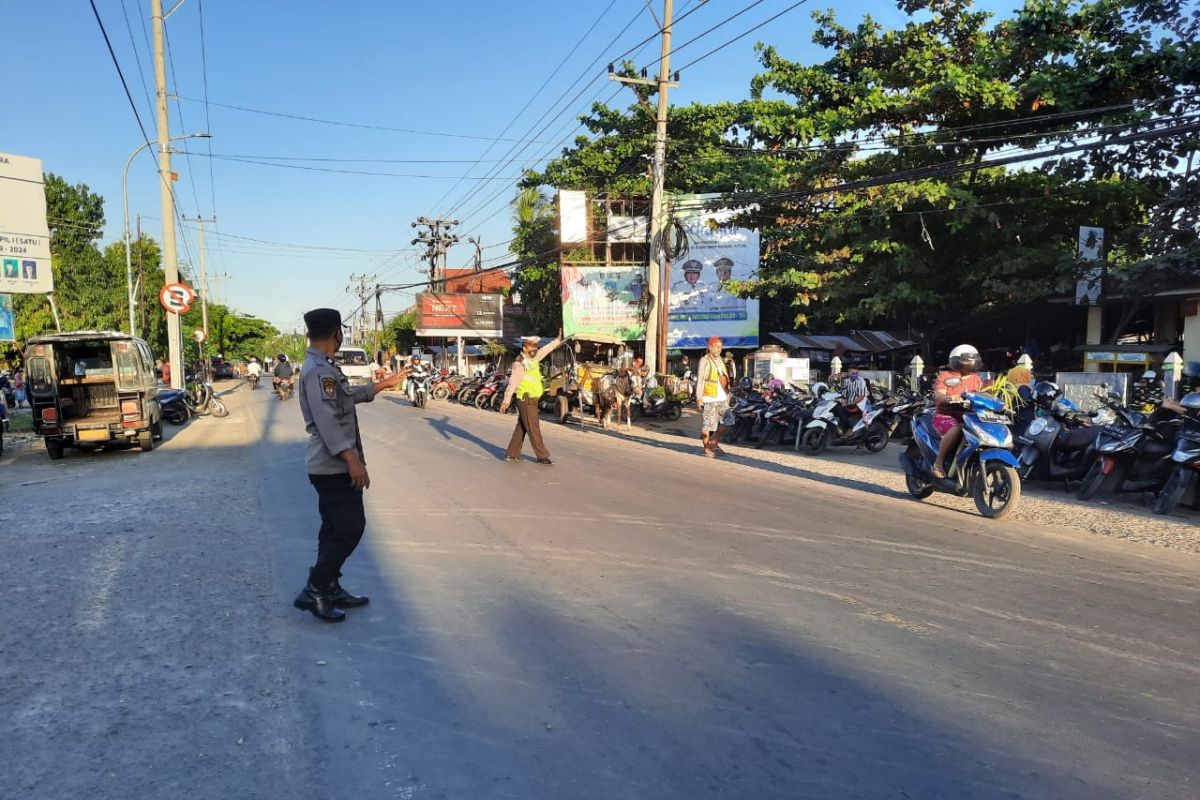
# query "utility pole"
(438, 241)
(219, 296)
(364, 292)
(657, 283)
(170, 259)
(203, 275)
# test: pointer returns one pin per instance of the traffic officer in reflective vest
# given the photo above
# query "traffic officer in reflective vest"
(526, 384)
(335, 463)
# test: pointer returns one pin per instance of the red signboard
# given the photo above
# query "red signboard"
(476, 316)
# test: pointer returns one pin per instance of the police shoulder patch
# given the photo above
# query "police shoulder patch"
(329, 386)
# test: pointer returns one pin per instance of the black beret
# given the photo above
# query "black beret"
(323, 321)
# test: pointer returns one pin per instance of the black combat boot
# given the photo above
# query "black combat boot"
(319, 601)
(343, 599)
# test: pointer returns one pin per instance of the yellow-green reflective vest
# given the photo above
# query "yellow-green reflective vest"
(531, 384)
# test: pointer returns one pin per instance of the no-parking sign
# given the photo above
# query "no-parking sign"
(176, 297)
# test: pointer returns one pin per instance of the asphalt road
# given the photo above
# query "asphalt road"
(632, 622)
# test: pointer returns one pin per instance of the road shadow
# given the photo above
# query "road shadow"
(492, 684)
(449, 430)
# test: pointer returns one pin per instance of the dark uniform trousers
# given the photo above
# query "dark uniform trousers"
(343, 521)
(528, 423)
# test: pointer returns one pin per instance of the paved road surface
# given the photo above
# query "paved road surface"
(632, 622)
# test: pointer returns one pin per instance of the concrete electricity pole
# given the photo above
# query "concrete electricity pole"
(364, 292)
(203, 276)
(438, 240)
(170, 259)
(657, 283)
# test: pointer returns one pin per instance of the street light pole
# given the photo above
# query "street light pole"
(125, 198)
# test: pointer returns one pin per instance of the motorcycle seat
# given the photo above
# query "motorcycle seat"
(1080, 438)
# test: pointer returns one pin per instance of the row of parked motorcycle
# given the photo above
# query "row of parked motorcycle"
(1115, 448)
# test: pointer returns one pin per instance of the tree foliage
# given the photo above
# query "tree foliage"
(813, 149)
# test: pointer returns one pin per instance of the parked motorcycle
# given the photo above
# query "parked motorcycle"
(826, 428)
(1138, 461)
(175, 409)
(1059, 443)
(669, 408)
(1185, 457)
(983, 467)
(201, 399)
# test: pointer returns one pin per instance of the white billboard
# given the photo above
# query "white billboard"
(24, 235)
(718, 251)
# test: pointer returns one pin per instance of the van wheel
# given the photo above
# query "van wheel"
(146, 441)
(54, 450)
(156, 430)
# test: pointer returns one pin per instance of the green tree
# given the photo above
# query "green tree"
(401, 331)
(537, 279)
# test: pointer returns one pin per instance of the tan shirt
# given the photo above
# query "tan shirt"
(518, 367)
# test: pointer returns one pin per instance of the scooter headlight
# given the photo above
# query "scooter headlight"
(1037, 426)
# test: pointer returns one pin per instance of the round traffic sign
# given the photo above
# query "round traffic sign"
(176, 297)
(199, 335)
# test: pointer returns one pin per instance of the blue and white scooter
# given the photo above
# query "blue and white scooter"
(984, 466)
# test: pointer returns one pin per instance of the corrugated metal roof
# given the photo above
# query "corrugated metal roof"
(470, 281)
(854, 342)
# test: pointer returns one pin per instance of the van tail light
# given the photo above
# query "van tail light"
(131, 413)
(50, 414)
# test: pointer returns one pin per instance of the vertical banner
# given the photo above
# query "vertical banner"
(572, 217)
(24, 235)
(718, 251)
(1091, 249)
(606, 300)
(7, 325)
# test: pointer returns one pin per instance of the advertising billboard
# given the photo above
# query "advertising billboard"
(478, 316)
(24, 236)
(718, 251)
(605, 300)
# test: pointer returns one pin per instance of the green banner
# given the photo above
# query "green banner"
(605, 300)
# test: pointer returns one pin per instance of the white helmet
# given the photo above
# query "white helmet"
(962, 356)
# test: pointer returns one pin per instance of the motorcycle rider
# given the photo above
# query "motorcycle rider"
(253, 370)
(283, 369)
(961, 375)
(416, 374)
(854, 393)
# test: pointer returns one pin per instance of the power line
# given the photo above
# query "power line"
(137, 57)
(120, 74)
(553, 73)
(742, 35)
(340, 123)
(371, 173)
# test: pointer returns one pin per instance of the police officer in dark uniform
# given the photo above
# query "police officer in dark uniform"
(335, 463)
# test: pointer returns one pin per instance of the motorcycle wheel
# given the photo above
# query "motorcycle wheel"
(218, 408)
(813, 441)
(672, 412)
(1092, 481)
(997, 490)
(482, 400)
(766, 437)
(876, 440)
(440, 393)
(420, 400)
(1172, 493)
(917, 487)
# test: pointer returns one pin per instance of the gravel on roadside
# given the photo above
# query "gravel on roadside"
(1120, 517)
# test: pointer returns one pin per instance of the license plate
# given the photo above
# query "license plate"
(93, 435)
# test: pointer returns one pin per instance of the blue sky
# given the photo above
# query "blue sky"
(462, 68)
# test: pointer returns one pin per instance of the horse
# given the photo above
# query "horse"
(604, 397)
(635, 386)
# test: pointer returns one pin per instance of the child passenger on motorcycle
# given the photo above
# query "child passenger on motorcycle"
(952, 382)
